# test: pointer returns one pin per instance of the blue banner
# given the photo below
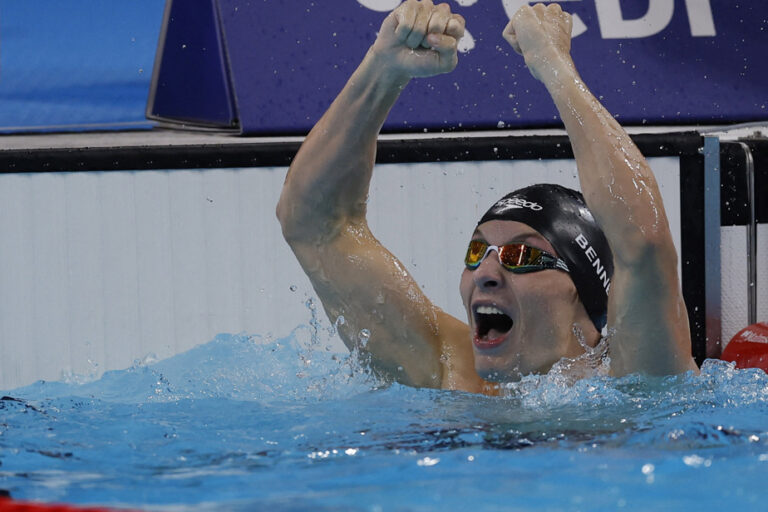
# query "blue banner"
(87, 63)
(76, 64)
(649, 61)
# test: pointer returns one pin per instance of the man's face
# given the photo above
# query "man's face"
(519, 323)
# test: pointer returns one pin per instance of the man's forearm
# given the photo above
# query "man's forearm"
(327, 184)
(329, 177)
(616, 180)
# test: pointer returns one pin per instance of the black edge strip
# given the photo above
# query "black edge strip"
(692, 251)
(522, 148)
(243, 154)
(148, 157)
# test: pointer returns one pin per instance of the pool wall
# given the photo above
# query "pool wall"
(99, 269)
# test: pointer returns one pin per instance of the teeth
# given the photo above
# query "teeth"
(489, 310)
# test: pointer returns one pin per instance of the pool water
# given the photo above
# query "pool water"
(248, 423)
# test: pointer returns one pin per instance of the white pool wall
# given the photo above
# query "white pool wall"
(100, 269)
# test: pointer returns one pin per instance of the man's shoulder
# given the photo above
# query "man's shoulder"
(457, 357)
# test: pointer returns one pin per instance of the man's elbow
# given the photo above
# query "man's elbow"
(302, 224)
(281, 213)
(306, 219)
(290, 227)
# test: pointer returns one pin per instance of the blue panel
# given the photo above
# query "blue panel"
(286, 74)
(76, 63)
(191, 83)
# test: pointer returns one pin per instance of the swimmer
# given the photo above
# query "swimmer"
(540, 281)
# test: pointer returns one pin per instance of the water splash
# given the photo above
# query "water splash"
(362, 337)
(236, 367)
(231, 422)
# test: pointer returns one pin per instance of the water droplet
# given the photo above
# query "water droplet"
(293, 288)
(364, 335)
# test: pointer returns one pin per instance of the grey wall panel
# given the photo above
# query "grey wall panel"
(734, 281)
(100, 269)
(154, 264)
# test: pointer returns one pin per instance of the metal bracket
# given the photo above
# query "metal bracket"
(751, 237)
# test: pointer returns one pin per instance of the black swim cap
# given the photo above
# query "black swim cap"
(562, 217)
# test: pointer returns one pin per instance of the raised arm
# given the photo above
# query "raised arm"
(645, 304)
(322, 210)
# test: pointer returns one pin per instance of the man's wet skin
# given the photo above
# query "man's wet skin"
(516, 323)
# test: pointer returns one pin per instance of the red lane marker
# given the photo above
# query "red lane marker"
(749, 348)
(9, 505)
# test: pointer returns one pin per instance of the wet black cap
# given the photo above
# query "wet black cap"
(562, 217)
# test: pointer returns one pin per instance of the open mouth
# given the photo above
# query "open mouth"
(491, 326)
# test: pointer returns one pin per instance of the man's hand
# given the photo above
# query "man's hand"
(541, 34)
(419, 39)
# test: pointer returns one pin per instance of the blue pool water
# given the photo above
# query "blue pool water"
(245, 423)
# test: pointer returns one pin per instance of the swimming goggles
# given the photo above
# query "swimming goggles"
(517, 258)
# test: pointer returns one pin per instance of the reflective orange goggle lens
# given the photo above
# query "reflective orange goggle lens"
(517, 258)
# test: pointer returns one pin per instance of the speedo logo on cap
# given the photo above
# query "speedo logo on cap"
(509, 203)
